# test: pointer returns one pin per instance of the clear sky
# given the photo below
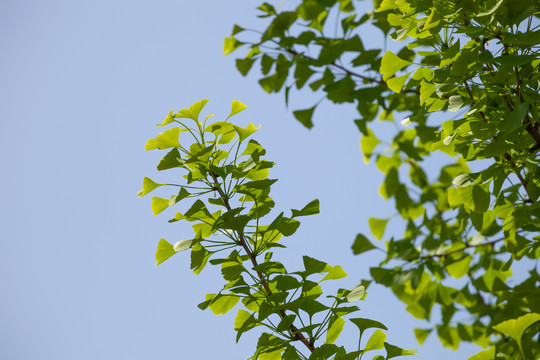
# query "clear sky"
(82, 84)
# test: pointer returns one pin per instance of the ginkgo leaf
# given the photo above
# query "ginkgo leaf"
(237, 107)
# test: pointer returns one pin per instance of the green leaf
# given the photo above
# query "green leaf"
(314, 266)
(459, 268)
(164, 251)
(421, 335)
(394, 351)
(377, 227)
(396, 83)
(171, 160)
(230, 44)
(221, 304)
(310, 209)
(199, 258)
(304, 116)
(426, 90)
(193, 111)
(376, 341)
(165, 140)
(244, 65)
(336, 273)
(244, 133)
(159, 204)
(148, 186)
(474, 198)
(362, 244)
(197, 211)
(358, 293)
(488, 354)
(515, 327)
(243, 322)
(364, 324)
(453, 198)
(391, 64)
(334, 330)
(368, 144)
(169, 119)
(515, 119)
(237, 107)
(515, 60)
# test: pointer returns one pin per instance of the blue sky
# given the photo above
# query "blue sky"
(82, 85)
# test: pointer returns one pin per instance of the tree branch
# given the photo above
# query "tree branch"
(294, 330)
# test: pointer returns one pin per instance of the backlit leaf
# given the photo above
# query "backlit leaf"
(237, 107)
(164, 251)
(377, 227)
(376, 341)
(148, 186)
(334, 330)
(391, 64)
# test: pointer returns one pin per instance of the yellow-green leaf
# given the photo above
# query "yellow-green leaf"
(488, 354)
(368, 144)
(271, 355)
(334, 330)
(237, 107)
(459, 268)
(335, 273)
(377, 227)
(421, 335)
(426, 90)
(159, 204)
(244, 133)
(376, 341)
(515, 327)
(147, 186)
(193, 111)
(164, 251)
(221, 304)
(165, 140)
(396, 83)
(230, 44)
(390, 64)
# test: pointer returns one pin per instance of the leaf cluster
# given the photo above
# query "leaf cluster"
(463, 92)
(227, 174)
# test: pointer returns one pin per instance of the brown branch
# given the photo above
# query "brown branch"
(294, 330)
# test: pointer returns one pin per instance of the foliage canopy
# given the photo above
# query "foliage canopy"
(461, 82)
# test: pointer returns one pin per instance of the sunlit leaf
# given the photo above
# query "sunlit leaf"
(391, 64)
(164, 251)
(334, 330)
(488, 354)
(377, 227)
(515, 327)
(237, 107)
(376, 341)
(148, 186)
(337, 272)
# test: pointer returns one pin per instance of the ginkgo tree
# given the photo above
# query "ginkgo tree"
(224, 178)
(462, 86)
